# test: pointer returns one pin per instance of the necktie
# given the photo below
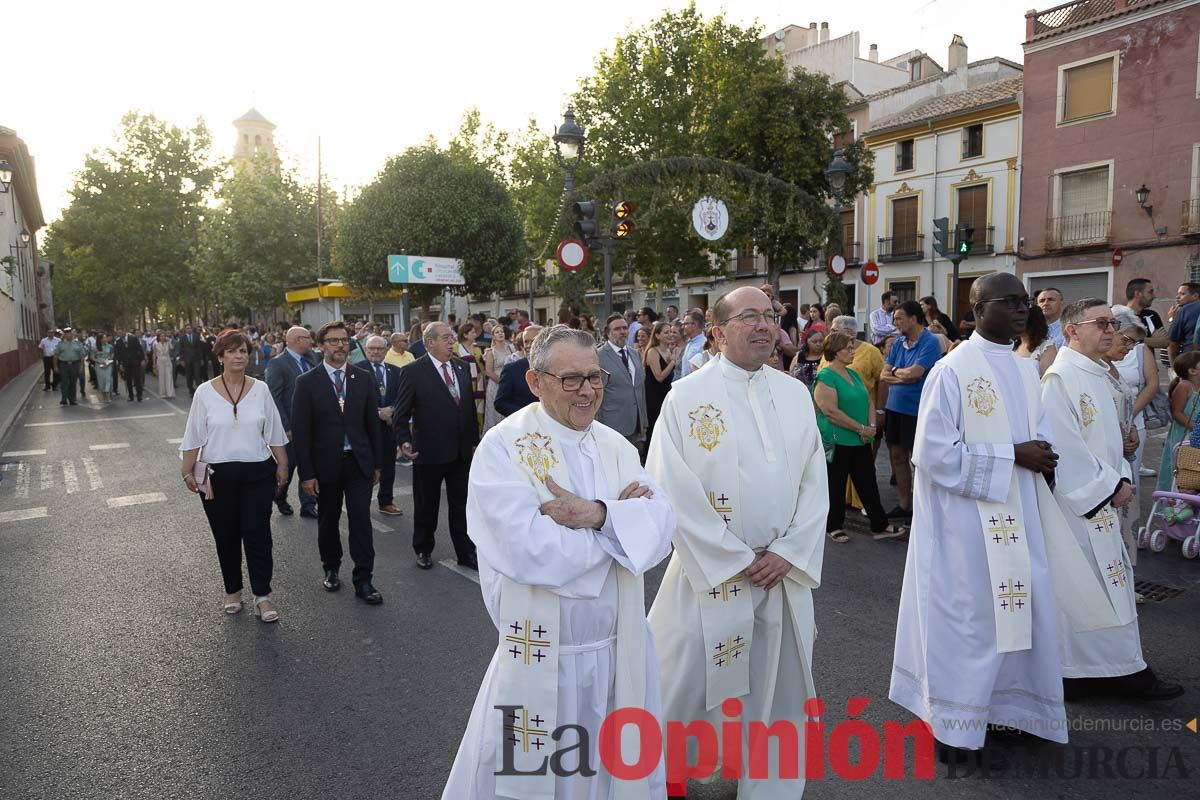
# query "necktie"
(624, 358)
(303, 365)
(379, 378)
(450, 384)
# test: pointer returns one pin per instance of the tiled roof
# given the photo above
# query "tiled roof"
(897, 89)
(978, 97)
(1072, 16)
(253, 116)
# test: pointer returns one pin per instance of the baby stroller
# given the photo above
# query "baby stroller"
(1176, 514)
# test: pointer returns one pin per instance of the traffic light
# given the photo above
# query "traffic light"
(623, 224)
(941, 236)
(586, 226)
(964, 240)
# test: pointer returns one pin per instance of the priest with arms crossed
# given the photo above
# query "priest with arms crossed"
(1094, 480)
(565, 521)
(976, 638)
(738, 451)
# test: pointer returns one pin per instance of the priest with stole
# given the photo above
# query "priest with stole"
(1094, 480)
(565, 521)
(977, 633)
(738, 451)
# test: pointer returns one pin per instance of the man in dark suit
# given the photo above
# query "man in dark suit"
(129, 355)
(387, 386)
(335, 430)
(282, 371)
(624, 405)
(513, 392)
(436, 395)
(194, 351)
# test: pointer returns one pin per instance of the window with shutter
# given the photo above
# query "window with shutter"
(1083, 192)
(1088, 90)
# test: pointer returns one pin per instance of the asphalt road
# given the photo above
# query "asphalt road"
(123, 679)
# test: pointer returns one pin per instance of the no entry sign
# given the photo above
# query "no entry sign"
(572, 254)
(870, 273)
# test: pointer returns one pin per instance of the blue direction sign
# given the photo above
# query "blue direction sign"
(425, 269)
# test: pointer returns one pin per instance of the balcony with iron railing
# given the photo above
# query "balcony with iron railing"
(520, 287)
(1191, 217)
(1077, 14)
(909, 247)
(983, 240)
(852, 252)
(1093, 229)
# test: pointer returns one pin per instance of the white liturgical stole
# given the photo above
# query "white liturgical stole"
(985, 422)
(527, 667)
(1104, 528)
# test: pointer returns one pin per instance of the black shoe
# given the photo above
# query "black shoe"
(368, 594)
(469, 562)
(62, 402)
(1161, 690)
(308, 512)
(899, 513)
(74, 403)
(331, 583)
(988, 759)
(285, 508)
(424, 561)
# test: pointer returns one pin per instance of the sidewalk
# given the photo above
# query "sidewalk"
(14, 395)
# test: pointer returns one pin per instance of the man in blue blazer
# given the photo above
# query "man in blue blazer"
(387, 385)
(282, 371)
(513, 392)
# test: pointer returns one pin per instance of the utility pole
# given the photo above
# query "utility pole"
(532, 261)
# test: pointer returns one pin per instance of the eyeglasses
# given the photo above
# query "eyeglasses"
(753, 318)
(1101, 324)
(573, 383)
(335, 340)
(1129, 340)
(1012, 303)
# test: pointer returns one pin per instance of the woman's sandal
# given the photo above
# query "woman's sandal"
(838, 536)
(233, 606)
(270, 615)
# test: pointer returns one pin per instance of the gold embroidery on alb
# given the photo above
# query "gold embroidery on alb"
(981, 397)
(707, 426)
(1087, 409)
(535, 452)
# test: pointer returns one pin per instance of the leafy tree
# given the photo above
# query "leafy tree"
(261, 238)
(431, 202)
(125, 243)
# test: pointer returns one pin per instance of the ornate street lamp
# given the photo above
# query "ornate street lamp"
(569, 141)
(24, 236)
(836, 173)
(5, 176)
(1142, 195)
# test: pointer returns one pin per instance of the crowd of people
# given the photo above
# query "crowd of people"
(1025, 423)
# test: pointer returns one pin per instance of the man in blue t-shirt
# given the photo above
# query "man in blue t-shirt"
(908, 362)
(1183, 323)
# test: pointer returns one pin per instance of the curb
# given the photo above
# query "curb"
(19, 397)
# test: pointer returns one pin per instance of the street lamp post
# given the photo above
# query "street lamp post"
(836, 173)
(569, 141)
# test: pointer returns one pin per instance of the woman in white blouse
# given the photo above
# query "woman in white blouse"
(234, 428)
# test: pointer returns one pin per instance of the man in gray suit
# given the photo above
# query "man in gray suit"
(282, 372)
(624, 406)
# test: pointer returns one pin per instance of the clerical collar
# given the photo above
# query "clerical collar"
(560, 431)
(1078, 359)
(989, 347)
(733, 372)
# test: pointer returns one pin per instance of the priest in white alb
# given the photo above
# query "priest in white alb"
(566, 521)
(1094, 480)
(976, 637)
(737, 449)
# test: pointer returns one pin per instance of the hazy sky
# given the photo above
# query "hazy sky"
(370, 78)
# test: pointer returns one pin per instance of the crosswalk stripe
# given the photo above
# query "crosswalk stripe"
(47, 477)
(110, 446)
(136, 499)
(175, 441)
(23, 471)
(70, 478)
(24, 514)
(453, 566)
(92, 420)
(380, 526)
(20, 453)
(93, 473)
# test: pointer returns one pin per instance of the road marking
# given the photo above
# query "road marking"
(175, 441)
(166, 400)
(93, 473)
(453, 566)
(110, 446)
(136, 499)
(19, 453)
(70, 478)
(47, 477)
(92, 420)
(23, 514)
(23, 471)
(379, 525)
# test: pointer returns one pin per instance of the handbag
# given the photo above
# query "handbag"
(201, 472)
(1187, 463)
(1158, 413)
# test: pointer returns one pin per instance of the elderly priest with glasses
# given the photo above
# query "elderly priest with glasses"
(565, 522)
(737, 449)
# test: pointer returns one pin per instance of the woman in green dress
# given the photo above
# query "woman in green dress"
(1184, 400)
(102, 359)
